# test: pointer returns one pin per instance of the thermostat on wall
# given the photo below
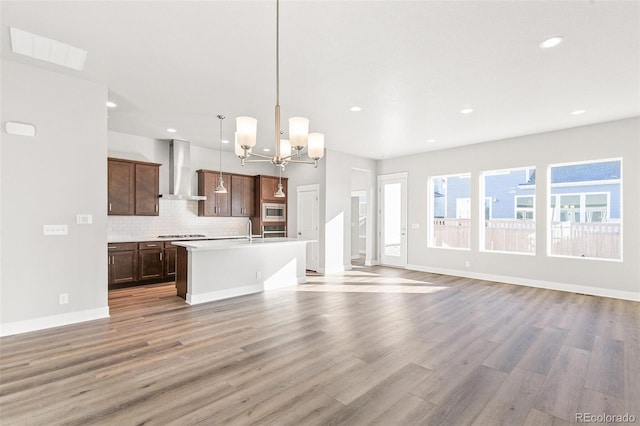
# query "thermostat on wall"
(21, 129)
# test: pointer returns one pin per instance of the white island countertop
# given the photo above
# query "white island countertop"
(140, 239)
(201, 245)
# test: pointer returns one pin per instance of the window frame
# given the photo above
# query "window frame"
(620, 222)
(482, 208)
(431, 208)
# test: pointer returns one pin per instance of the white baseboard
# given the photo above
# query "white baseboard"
(347, 267)
(355, 256)
(371, 263)
(51, 321)
(223, 294)
(550, 285)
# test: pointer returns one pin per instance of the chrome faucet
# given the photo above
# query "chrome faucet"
(249, 230)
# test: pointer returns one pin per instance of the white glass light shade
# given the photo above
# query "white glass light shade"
(246, 129)
(316, 146)
(285, 148)
(298, 131)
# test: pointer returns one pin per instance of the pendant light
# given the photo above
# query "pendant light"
(279, 193)
(220, 189)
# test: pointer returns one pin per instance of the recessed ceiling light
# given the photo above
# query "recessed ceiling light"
(466, 111)
(170, 130)
(578, 112)
(46, 49)
(225, 141)
(266, 150)
(551, 42)
(111, 104)
(355, 109)
(431, 140)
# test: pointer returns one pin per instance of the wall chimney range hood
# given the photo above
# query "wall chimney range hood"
(180, 172)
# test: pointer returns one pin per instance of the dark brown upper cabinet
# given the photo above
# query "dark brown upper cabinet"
(242, 196)
(133, 187)
(215, 204)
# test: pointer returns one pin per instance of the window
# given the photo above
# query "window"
(525, 207)
(450, 211)
(585, 209)
(509, 210)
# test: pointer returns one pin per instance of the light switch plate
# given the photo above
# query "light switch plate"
(415, 226)
(55, 230)
(84, 219)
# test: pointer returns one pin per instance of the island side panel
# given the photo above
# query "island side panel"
(182, 272)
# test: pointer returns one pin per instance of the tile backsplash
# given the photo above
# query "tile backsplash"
(176, 217)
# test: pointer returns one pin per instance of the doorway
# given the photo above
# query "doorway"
(359, 228)
(393, 219)
(309, 222)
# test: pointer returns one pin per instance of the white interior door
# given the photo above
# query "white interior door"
(393, 219)
(309, 222)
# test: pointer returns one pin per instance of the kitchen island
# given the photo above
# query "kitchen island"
(214, 270)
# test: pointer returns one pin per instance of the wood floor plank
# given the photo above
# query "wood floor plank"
(409, 410)
(562, 390)
(606, 367)
(381, 397)
(540, 418)
(465, 403)
(542, 353)
(513, 400)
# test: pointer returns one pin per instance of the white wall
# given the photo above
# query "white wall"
(48, 179)
(301, 175)
(607, 140)
(340, 169)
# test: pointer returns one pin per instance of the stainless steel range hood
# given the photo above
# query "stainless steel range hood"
(180, 172)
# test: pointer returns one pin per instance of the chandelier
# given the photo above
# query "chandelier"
(286, 150)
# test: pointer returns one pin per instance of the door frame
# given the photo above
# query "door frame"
(404, 241)
(309, 188)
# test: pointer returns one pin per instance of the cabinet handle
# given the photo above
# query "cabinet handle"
(156, 208)
(160, 256)
(151, 245)
(109, 206)
(111, 247)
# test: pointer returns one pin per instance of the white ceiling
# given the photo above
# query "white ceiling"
(411, 66)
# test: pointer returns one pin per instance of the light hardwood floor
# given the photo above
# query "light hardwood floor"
(374, 346)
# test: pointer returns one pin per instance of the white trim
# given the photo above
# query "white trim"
(51, 321)
(372, 263)
(312, 187)
(587, 183)
(550, 285)
(223, 294)
(302, 280)
(389, 176)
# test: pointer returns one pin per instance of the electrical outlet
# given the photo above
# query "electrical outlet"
(55, 230)
(63, 298)
(467, 264)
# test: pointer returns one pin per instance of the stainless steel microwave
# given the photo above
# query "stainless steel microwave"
(274, 212)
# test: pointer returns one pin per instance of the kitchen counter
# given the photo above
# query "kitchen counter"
(214, 270)
(237, 243)
(156, 238)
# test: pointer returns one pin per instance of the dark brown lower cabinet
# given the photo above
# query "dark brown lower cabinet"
(170, 254)
(150, 264)
(122, 260)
